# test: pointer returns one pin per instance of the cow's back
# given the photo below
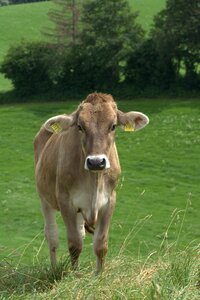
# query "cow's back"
(40, 141)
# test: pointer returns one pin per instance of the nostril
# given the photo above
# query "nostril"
(89, 163)
(103, 163)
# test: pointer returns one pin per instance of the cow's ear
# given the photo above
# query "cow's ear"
(132, 121)
(59, 123)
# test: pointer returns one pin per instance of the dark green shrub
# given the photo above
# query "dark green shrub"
(30, 67)
(84, 73)
(4, 2)
(146, 68)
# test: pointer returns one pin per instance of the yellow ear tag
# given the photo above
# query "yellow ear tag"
(56, 127)
(129, 127)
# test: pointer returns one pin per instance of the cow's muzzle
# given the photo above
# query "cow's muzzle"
(97, 162)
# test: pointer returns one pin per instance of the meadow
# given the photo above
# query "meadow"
(28, 21)
(155, 226)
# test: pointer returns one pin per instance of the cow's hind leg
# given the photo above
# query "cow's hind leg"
(51, 231)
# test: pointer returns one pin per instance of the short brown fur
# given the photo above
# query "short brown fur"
(82, 196)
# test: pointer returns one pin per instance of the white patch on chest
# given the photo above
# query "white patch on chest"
(89, 201)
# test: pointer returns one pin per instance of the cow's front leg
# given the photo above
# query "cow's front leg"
(101, 233)
(74, 235)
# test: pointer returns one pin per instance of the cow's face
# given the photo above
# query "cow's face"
(96, 125)
(95, 122)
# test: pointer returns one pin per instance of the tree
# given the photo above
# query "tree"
(176, 32)
(66, 20)
(109, 35)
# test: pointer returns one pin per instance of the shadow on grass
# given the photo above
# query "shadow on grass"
(172, 274)
(12, 97)
(155, 104)
(27, 279)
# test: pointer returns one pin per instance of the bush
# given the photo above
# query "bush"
(29, 67)
(81, 72)
(146, 68)
(4, 2)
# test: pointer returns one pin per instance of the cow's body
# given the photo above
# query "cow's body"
(77, 171)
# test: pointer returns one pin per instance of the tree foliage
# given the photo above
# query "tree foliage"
(109, 34)
(109, 50)
(177, 35)
(29, 66)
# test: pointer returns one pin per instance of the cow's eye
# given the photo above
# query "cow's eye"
(80, 128)
(113, 127)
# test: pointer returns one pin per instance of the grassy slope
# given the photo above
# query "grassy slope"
(26, 21)
(160, 173)
(175, 275)
(147, 9)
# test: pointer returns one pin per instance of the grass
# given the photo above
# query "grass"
(147, 10)
(24, 21)
(159, 182)
(157, 208)
(27, 21)
(175, 275)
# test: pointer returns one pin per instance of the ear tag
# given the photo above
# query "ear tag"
(56, 127)
(129, 127)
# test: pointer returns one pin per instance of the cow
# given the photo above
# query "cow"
(77, 170)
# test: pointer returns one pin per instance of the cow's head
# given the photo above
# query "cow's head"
(95, 122)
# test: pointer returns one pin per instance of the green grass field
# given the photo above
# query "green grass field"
(27, 21)
(147, 10)
(157, 198)
(159, 180)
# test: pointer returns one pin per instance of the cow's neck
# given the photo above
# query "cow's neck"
(97, 186)
(97, 195)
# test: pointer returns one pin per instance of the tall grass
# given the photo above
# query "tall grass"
(165, 275)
